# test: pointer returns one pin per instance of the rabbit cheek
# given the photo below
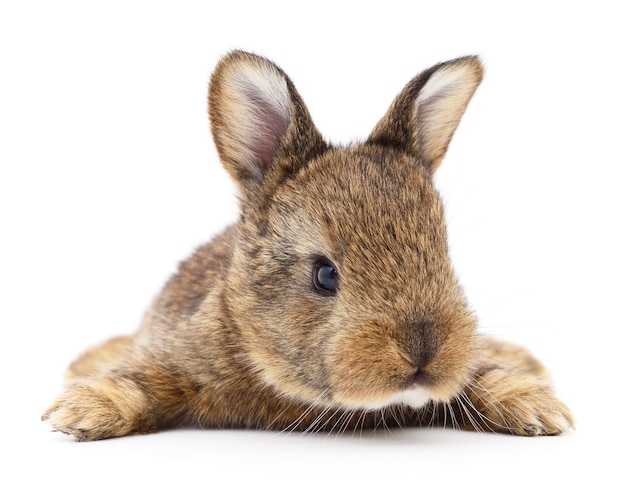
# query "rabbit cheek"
(279, 364)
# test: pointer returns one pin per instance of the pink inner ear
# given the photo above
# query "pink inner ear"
(270, 127)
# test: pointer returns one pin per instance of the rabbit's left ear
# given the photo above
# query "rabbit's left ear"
(424, 116)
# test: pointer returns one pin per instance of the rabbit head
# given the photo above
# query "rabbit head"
(340, 286)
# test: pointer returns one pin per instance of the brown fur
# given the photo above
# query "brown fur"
(242, 336)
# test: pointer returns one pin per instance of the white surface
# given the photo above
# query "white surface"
(108, 178)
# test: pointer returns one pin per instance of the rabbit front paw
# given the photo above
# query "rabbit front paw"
(518, 403)
(98, 409)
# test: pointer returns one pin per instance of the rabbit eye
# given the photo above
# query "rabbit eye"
(325, 277)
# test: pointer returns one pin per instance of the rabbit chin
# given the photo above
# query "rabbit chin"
(415, 397)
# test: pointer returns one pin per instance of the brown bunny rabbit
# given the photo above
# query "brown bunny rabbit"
(332, 304)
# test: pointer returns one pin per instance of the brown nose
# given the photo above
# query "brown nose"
(423, 341)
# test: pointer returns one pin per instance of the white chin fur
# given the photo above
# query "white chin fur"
(414, 398)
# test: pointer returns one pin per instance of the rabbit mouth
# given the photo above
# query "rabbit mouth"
(415, 392)
(415, 397)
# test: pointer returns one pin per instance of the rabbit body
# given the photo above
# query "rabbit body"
(332, 304)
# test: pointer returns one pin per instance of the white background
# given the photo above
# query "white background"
(108, 177)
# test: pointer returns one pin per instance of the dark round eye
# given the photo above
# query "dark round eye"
(325, 277)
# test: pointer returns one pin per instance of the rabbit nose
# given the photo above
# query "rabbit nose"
(423, 344)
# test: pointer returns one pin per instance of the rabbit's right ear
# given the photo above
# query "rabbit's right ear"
(259, 122)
